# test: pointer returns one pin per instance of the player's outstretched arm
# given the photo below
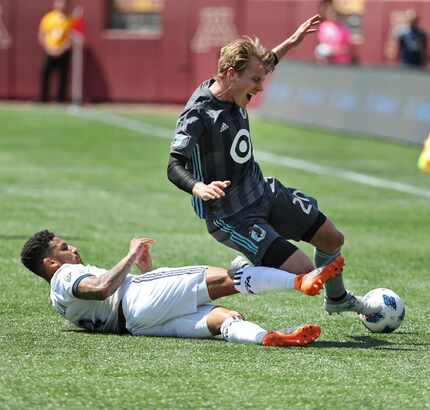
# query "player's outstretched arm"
(103, 286)
(311, 25)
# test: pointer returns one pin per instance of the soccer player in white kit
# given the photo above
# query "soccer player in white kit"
(172, 302)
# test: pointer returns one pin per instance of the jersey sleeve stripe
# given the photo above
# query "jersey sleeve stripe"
(197, 174)
(77, 283)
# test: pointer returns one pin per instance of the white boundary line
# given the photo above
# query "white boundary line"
(161, 132)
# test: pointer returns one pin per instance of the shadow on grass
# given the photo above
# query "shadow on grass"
(89, 332)
(364, 342)
(358, 342)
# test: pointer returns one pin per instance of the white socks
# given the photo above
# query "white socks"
(254, 280)
(236, 330)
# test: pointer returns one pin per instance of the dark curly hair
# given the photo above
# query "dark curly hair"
(35, 249)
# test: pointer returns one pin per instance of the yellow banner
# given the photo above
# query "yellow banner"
(139, 6)
(349, 6)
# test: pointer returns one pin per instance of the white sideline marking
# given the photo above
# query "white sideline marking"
(340, 173)
(161, 132)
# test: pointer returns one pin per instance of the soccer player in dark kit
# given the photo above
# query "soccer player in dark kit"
(211, 157)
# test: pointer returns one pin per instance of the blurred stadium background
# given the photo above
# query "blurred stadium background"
(157, 51)
(97, 176)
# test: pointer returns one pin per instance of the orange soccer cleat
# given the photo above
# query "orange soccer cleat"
(311, 283)
(301, 336)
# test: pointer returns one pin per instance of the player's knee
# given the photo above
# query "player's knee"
(233, 313)
(336, 240)
(224, 281)
(218, 316)
(217, 277)
(329, 239)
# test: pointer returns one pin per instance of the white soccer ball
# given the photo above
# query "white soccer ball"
(392, 311)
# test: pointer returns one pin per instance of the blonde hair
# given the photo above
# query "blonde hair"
(237, 54)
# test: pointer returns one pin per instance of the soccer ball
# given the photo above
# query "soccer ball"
(392, 311)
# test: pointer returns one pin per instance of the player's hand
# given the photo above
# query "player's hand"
(214, 190)
(311, 25)
(138, 246)
(144, 261)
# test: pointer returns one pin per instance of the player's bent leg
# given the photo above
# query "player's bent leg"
(218, 316)
(311, 283)
(255, 280)
(327, 238)
(282, 254)
(350, 303)
(297, 263)
(219, 283)
(193, 325)
(235, 329)
(328, 242)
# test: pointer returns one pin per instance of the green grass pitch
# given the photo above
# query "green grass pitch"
(98, 185)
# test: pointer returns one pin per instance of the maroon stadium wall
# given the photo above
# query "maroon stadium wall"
(121, 66)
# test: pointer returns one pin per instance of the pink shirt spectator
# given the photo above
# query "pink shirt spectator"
(337, 39)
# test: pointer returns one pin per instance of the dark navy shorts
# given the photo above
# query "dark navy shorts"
(280, 213)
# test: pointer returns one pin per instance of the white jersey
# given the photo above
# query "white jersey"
(94, 315)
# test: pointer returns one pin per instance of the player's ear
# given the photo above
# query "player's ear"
(49, 262)
(231, 73)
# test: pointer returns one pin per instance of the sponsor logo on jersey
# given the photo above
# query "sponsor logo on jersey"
(240, 149)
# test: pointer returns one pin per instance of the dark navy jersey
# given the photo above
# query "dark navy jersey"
(214, 137)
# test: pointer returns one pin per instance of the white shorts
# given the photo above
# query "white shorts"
(168, 302)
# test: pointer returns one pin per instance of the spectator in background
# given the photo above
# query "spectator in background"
(55, 39)
(412, 43)
(334, 38)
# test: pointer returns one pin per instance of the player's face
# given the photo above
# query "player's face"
(248, 83)
(63, 252)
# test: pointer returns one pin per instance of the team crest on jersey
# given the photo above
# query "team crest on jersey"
(257, 233)
(180, 141)
(243, 113)
(68, 277)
